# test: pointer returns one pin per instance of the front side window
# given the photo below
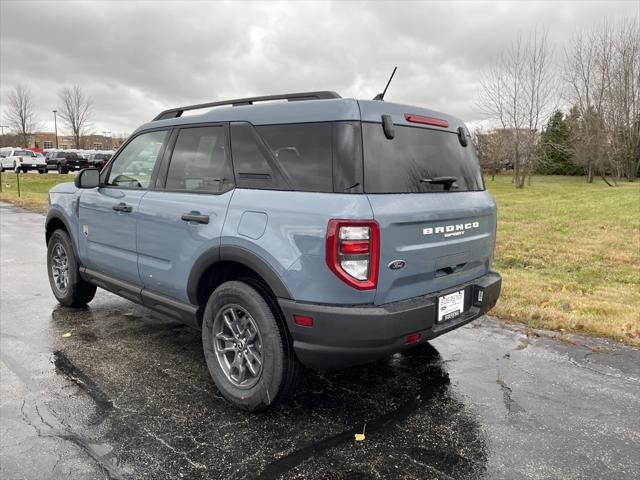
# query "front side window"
(135, 163)
(199, 162)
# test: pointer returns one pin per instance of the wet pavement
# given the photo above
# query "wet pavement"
(113, 391)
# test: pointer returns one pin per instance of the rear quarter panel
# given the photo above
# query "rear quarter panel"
(288, 231)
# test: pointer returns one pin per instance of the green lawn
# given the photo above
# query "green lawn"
(569, 252)
(33, 189)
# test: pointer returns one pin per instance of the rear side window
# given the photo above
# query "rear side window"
(199, 161)
(415, 157)
(303, 151)
(283, 157)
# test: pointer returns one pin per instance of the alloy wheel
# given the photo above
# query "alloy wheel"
(237, 344)
(60, 267)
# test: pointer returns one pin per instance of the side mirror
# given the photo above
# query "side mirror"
(87, 178)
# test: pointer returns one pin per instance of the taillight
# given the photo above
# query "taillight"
(66, 161)
(353, 249)
(20, 159)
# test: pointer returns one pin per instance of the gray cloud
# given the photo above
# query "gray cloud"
(137, 58)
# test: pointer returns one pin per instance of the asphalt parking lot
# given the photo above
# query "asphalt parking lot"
(113, 391)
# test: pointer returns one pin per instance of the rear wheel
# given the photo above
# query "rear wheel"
(62, 170)
(42, 170)
(25, 170)
(64, 277)
(246, 348)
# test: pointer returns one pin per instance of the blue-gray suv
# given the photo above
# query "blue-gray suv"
(300, 229)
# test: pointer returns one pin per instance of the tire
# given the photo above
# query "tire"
(42, 171)
(62, 170)
(25, 170)
(279, 370)
(76, 292)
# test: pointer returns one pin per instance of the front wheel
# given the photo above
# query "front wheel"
(64, 276)
(247, 350)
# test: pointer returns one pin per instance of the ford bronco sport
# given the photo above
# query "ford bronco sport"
(312, 230)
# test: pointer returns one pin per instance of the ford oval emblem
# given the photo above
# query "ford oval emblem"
(397, 264)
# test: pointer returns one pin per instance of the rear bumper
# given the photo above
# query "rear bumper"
(348, 335)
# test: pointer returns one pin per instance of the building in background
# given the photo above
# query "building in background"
(46, 140)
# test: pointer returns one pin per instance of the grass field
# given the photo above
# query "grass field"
(569, 252)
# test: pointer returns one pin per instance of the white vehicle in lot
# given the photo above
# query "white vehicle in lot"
(18, 159)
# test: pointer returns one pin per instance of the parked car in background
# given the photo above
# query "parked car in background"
(64, 161)
(98, 160)
(21, 160)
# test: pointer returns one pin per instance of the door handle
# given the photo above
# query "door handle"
(122, 207)
(195, 217)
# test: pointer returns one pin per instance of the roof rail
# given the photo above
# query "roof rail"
(291, 97)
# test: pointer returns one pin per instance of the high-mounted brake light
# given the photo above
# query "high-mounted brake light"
(436, 122)
(353, 249)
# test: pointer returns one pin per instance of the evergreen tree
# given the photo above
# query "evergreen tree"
(556, 151)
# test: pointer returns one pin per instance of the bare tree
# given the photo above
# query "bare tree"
(602, 69)
(21, 115)
(517, 92)
(76, 111)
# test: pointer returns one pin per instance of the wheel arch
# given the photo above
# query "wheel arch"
(56, 221)
(225, 263)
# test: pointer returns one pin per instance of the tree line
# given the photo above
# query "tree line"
(75, 111)
(596, 78)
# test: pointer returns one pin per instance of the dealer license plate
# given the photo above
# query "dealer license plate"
(450, 306)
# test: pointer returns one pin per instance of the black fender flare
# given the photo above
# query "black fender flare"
(243, 256)
(57, 215)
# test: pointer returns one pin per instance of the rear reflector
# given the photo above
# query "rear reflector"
(303, 321)
(354, 247)
(413, 338)
(436, 122)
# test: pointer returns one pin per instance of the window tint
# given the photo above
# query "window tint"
(134, 165)
(303, 151)
(414, 154)
(253, 162)
(347, 157)
(199, 161)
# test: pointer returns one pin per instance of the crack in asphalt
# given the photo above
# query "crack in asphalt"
(184, 455)
(510, 403)
(102, 402)
(54, 429)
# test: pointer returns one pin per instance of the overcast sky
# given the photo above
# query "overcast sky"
(137, 58)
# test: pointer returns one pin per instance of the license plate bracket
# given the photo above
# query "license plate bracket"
(450, 306)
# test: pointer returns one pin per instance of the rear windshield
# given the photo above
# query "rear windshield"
(416, 160)
(21, 153)
(69, 155)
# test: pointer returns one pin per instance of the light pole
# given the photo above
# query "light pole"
(2, 127)
(55, 125)
(105, 136)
